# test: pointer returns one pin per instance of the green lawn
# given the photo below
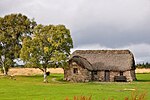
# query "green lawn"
(32, 88)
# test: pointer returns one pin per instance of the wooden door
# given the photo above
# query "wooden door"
(107, 75)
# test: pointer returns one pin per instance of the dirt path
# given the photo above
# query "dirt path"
(54, 79)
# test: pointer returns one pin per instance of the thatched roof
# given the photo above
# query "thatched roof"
(82, 62)
(116, 60)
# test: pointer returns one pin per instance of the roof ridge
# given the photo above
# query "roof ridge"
(103, 51)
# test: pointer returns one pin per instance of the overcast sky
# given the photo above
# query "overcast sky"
(94, 24)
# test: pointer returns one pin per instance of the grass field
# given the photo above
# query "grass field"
(32, 88)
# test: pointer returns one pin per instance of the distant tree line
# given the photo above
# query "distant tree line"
(143, 65)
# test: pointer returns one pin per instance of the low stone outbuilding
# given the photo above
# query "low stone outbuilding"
(101, 65)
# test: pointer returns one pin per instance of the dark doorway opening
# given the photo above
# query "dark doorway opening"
(107, 76)
(94, 76)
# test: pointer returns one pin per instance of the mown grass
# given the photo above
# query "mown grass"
(32, 88)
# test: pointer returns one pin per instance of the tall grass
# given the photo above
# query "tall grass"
(134, 96)
(80, 98)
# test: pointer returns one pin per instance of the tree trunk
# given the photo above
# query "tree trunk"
(2, 60)
(4, 70)
(45, 76)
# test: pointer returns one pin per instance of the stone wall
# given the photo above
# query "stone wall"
(113, 74)
(100, 75)
(128, 76)
(83, 75)
(133, 75)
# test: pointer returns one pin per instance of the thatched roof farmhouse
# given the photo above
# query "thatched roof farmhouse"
(101, 65)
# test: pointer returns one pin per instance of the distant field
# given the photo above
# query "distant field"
(32, 71)
(32, 88)
(36, 71)
(142, 70)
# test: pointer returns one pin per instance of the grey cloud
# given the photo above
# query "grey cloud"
(110, 23)
(12, 6)
(110, 36)
(113, 23)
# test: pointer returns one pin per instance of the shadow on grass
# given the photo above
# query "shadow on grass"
(142, 80)
(143, 77)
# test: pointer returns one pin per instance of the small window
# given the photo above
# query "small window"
(121, 73)
(75, 70)
(95, 72)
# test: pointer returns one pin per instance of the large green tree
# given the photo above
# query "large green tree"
(48, 47)
(13, 28)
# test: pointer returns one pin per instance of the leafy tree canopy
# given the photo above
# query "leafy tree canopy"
(49, 46)
(13, 28)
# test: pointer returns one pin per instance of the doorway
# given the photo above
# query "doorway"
(107, 76)
(94, 76)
